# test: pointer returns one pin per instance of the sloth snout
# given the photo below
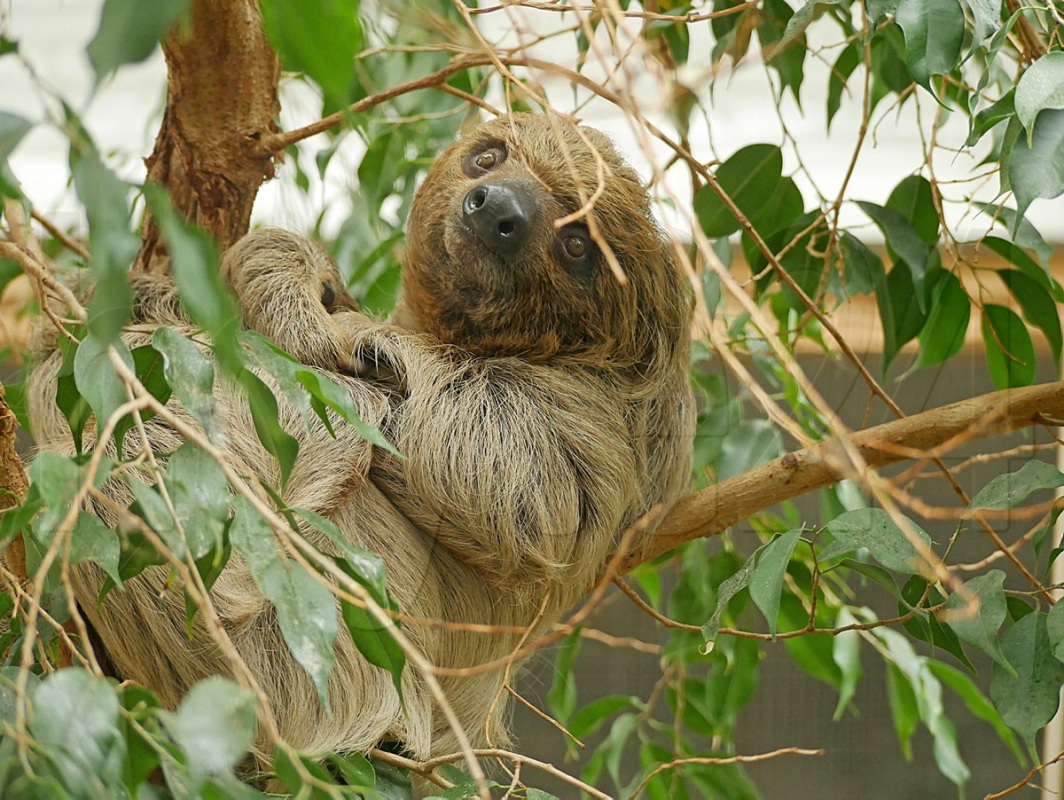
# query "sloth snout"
(500, 214)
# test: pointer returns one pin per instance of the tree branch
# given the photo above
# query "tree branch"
(924, 435)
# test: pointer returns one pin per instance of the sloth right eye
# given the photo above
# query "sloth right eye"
(484, 161)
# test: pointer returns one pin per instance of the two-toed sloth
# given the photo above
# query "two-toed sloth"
(540, 403)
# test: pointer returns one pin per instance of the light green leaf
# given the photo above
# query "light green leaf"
(56, 480)
(1027, 698)
(95, 377)
(129, 32)
(934, 33)
(979, 625)
(731, 587)
(320, 39)
(94, 541)
(976, 702)
(766, 580)
(1040, 87)
(75, 717)
(12, 129)
(873, 529)
(987, 15)
(1010, 354)
(1055, 630)
(1037, 305)
(199, 491)
(215, 726)
(251, 535)
(154, 512)
(306, 613)
(190, 374)
(904, 710)
(846, 653)
(1037, 169)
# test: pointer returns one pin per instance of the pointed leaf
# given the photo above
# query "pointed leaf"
(1027, 698)
(943, 335)
(731, 587)
(199, 491)
(1040, 87)
(1036, 169)
(766, 580)
(1037, 304)
(979, 626)
(190, 374)
(873, 529)
(12, 129)
(1009, 352)
(934, 33)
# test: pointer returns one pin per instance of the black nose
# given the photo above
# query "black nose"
(500, 214)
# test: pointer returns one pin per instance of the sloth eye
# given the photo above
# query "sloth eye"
(575, 246)
(328, 295)
(485, 160)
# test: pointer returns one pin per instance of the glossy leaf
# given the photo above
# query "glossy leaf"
(917, 595)
(190, 374)
(265, 417)
(306, 614)
(843, 68)
(990, 116)
(1027, 697)
(1009, 352)
(1010, 490)
(1037, 305)
(943, 335)
(976, 702)
(93, 541)
(750, 177)
(129, 32)
(199, 492)
(863, 270)
(977, 613)
(95, 377)
(1036, 170)
(1040, 87)
(766, 580)
(731, 587)
(903, 240)
(251, 535)
(934, 33)
(214, 725)
(846, 652)
(873, 529)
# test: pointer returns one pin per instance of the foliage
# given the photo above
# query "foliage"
(813, 585)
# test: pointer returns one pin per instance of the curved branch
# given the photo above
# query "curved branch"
(710, 511)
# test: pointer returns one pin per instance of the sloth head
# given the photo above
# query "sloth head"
(491, 269)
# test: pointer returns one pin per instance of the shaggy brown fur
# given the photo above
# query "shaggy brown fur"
(542, 407)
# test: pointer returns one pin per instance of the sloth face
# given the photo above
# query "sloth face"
(499, 262)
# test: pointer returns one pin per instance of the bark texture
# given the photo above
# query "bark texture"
(221, 105)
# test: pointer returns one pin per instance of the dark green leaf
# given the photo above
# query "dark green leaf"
(153, 510)
(264, 416)
(1009, 351)
(214, 725)
(903, 240)
(925, 627)
(191, 375)
(863, 270)
(749, 177)
(1031, 268)
(1024, 233)
(913, 198)
(95, 377)
(934, 33)
(990, 116)
(873, 529)
(129, 31)
(1037, 304)
(844, 66)
(12, 129)
(976, 614)
(1040, 87)
(766, 581)
(731, 587)
(1027, 698)
(1037, 169)
(306, 613)
(75, 717)
(947, 323)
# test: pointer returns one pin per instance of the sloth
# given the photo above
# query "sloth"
(540, 403)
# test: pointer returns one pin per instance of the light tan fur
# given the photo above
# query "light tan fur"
(540, 415)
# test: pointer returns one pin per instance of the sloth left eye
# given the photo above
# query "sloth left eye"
(575, 246)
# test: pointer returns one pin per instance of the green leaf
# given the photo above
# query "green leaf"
(976, 702)
(846, 653)
(1010, 490)
(1037, 304)
(903, 240)
(214, 725)
(94, 541)
(1055, 630)
(1009, 352)
(1036, 169)
(934, 33)
(95, 377)
(987, 15)
(766, 580)
(251, 535)
(913, 198)
(320, 39)
(844, 66)
(863, 269)
(354, 768)
(56, 480)
(194, 264)
(978, 625)
(925, 627)
(306, 613)
(74, 717)
(1031, 268)
(12, 129)
(873, 529)
(191, 375)
(153, 510)
(112, 245)
(1024, 233)
(1027, 698)
(731, 587)
(990, 116)
(199, 491)
(750, 177)
(1041, 86)
(129, 31)
(264, 416)
(947, 323)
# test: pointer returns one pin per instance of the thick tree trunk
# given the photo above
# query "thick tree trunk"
(221, 104)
